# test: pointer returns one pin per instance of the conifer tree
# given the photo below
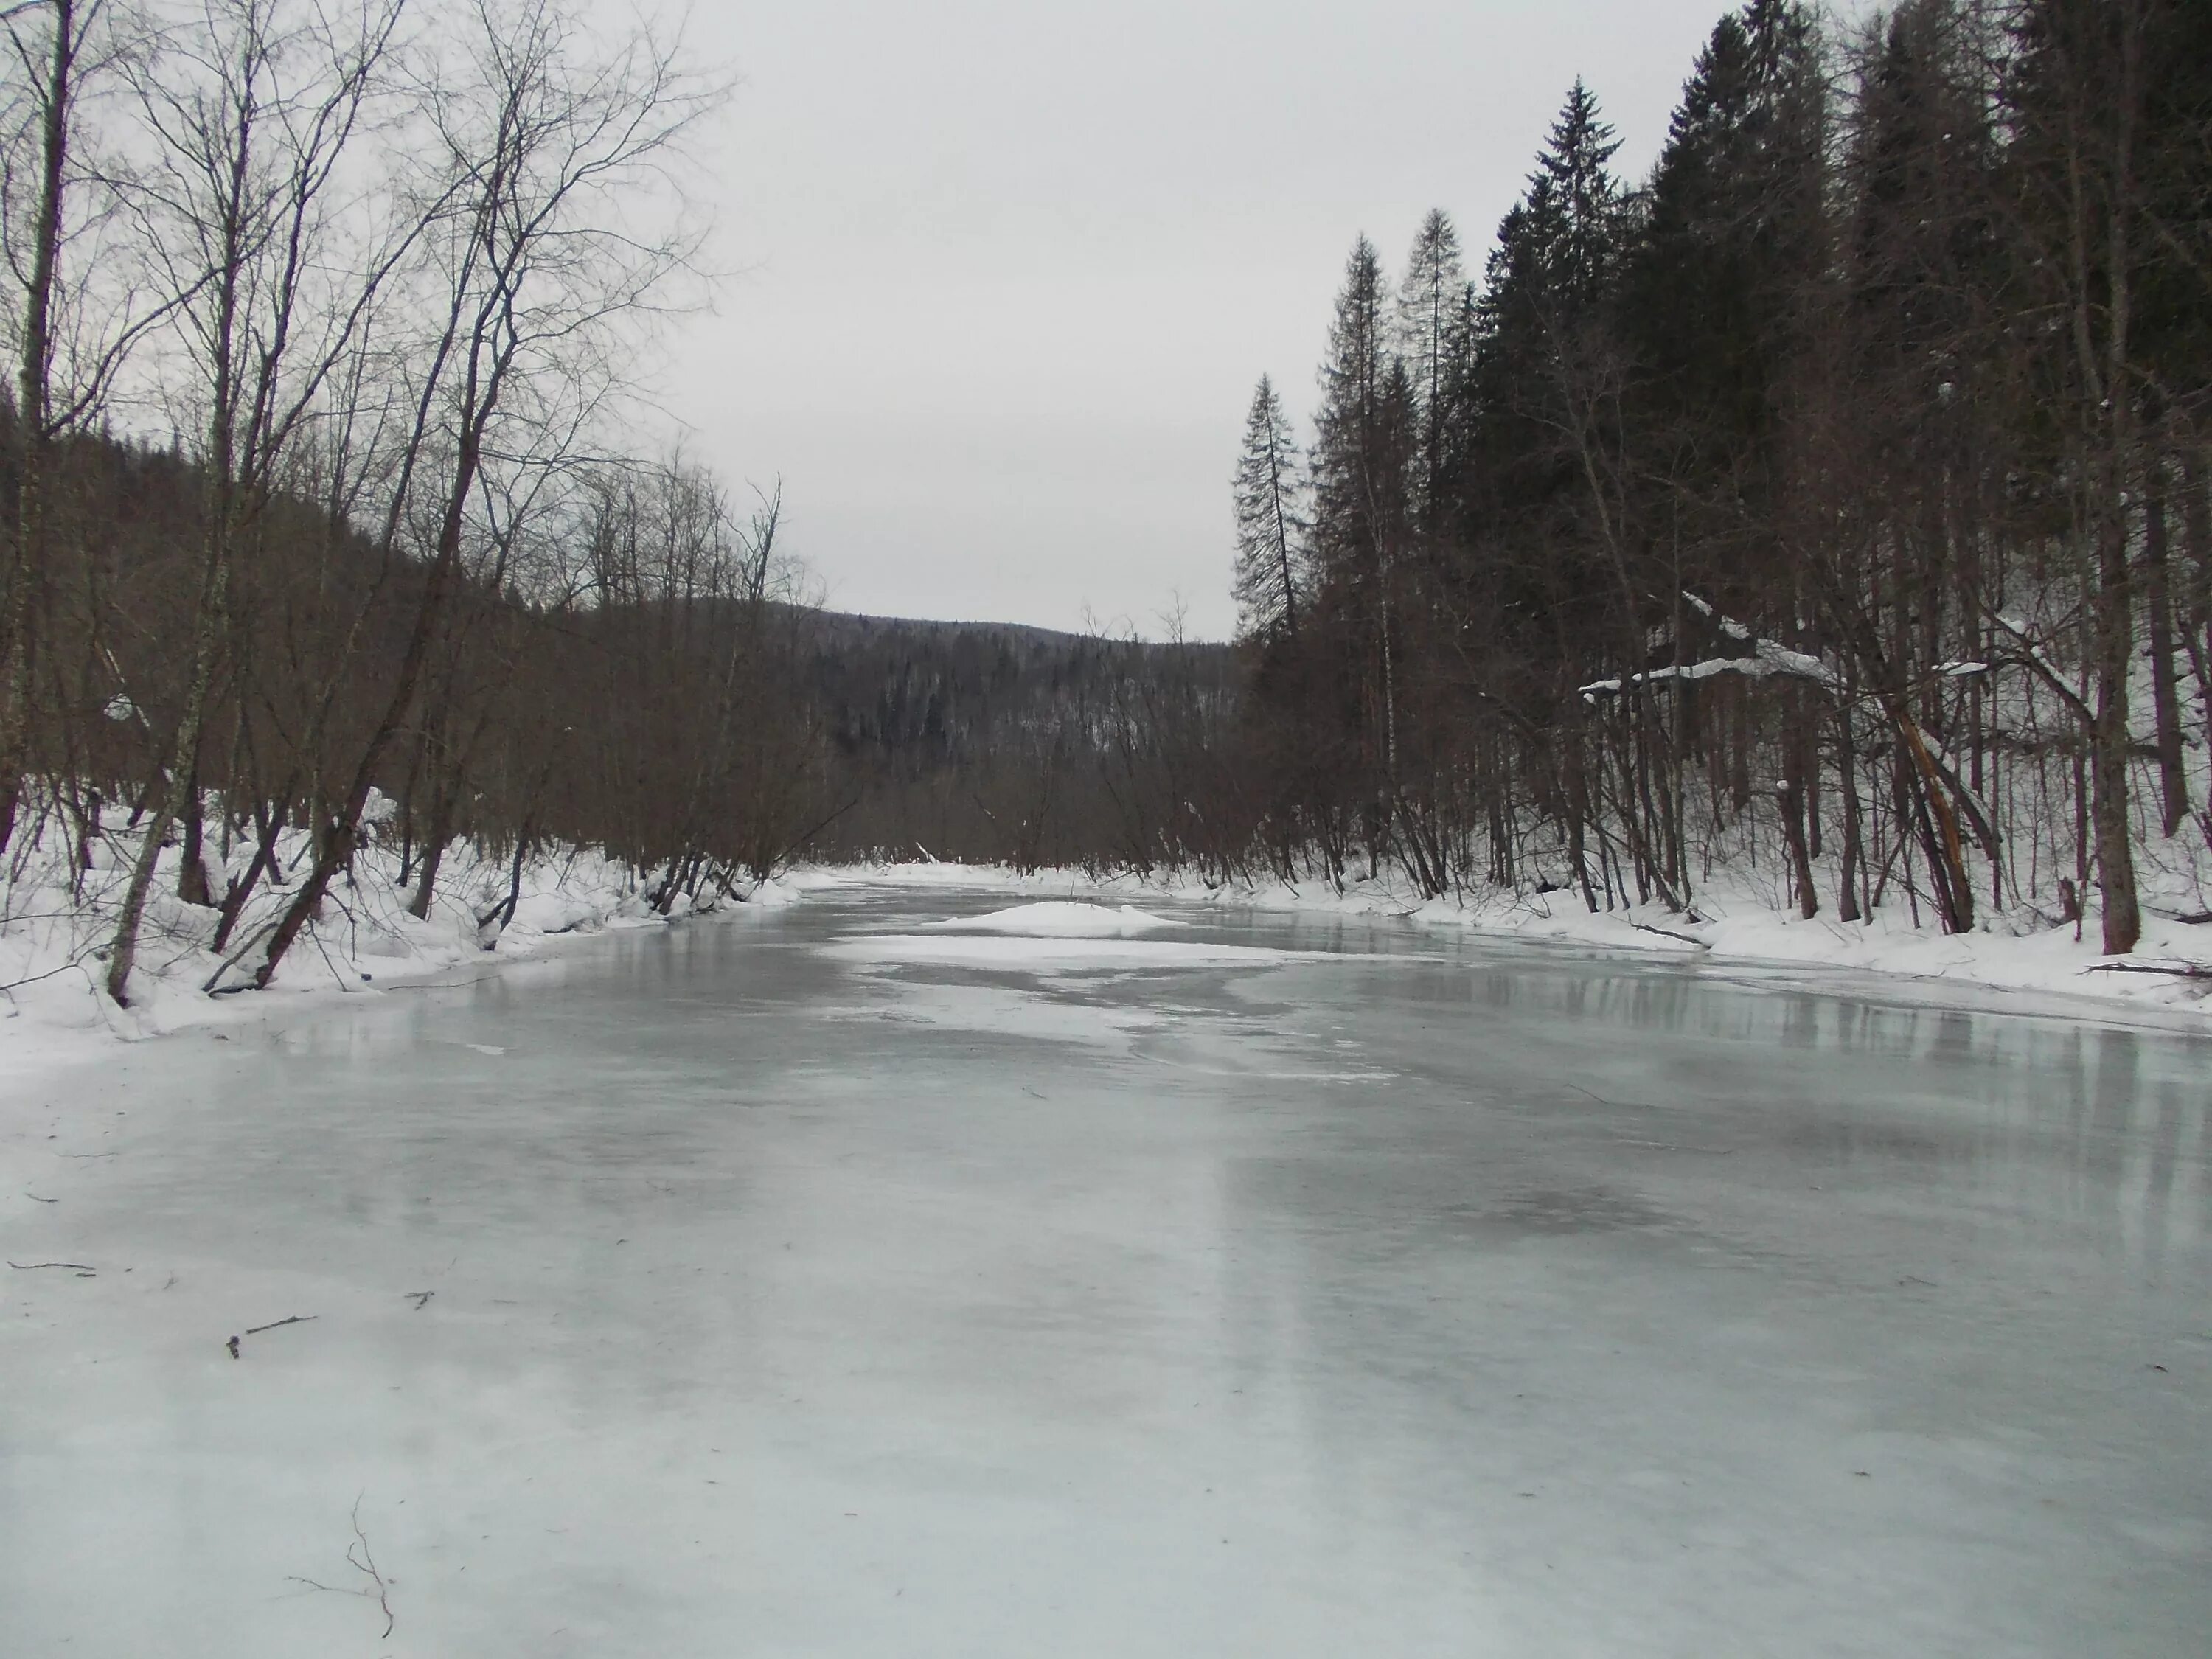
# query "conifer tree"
(1430, 337)
(1270, 523)
(1348, 465)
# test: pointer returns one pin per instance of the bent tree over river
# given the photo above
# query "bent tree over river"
(834, 1282)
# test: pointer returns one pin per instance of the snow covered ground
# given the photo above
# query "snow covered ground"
(1271, 1285)
(56, 921)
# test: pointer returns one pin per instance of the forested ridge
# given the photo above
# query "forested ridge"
(1823, 516)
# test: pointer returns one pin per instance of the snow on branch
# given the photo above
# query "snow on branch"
(2032, 655)
(1768, 658)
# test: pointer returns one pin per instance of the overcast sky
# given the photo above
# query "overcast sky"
(1009, 270)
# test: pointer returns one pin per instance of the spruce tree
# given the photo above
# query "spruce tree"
(1429, 337)
(1733, 233)
(1269, 522)
(1348, 463)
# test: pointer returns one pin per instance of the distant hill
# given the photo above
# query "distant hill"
(990, 740)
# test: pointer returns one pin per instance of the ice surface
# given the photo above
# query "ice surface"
(1059, 919)
(770, 1294)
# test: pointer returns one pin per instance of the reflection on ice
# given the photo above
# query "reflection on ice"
(797, 1287)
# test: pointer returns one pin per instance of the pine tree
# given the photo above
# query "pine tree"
(1538, 331)
(1360, 464)
(1732, 234)
(1269, 522)
(1348, 465)
(1429, 337)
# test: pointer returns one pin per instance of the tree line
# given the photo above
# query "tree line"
(1832, 501)
(1830, 505)
(380, 271)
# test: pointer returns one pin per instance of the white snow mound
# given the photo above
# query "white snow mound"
(1059, 918)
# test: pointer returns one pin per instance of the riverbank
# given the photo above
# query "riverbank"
(57, 923)
(56, 1010)
(2021, 953)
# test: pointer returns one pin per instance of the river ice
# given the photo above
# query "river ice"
(829, 1284)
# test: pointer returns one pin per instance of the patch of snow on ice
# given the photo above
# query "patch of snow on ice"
(1058, 919)
(1047, 955)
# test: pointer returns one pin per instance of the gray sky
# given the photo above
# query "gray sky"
(1011, 269)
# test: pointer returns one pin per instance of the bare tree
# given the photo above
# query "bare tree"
(261, 235)
(76, 317)
(552, 137)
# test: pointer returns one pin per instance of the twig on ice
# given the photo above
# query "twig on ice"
(2177, 970)
(84, 1269)
(420, 1298)
(293, 1319)
(378, 1588)
(1646, 927)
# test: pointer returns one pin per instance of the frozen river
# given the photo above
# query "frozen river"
(815, 1283)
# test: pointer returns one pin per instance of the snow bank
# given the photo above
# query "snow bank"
(57, 920)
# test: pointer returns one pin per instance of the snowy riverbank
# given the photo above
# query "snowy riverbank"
(57, 923)
(55, 1011)
(2021, 953)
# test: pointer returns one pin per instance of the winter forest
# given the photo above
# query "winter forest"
(1824, 514)
(1832, 502)
(1590, 1039)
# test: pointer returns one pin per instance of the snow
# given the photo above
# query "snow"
(1060, 919)
(55, 924)
(1064, 954)
(735, 1291)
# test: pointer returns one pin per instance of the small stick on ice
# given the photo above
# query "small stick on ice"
(84, 1268)
(291, 1319)
(378, 1588)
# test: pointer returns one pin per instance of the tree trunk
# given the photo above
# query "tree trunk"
(1791, 799)
(431, 855)
(2109, 742)
(2166, 700)
(34, 452)
(123, 955)
(1847, 897)
(269, 823)
(191, 874)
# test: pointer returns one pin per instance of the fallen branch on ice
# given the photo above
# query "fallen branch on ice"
(84, 1270)
(293, 1319)
(1668, 933)
(2175, 970)
(377, 1589)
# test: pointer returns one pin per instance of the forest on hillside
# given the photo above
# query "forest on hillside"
(1831, 501)
(1825, 513)
(404, 576)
